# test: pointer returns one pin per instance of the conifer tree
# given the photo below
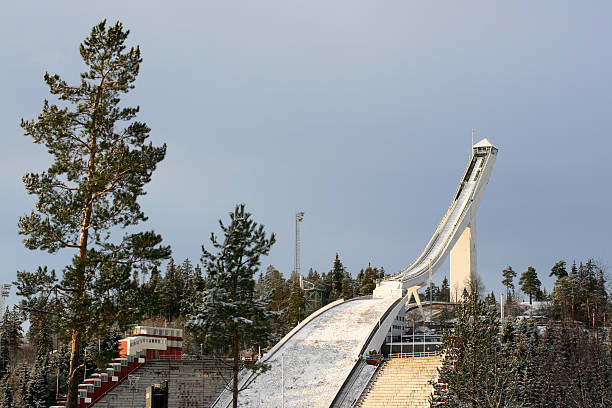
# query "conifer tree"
(99, 170)
(530, 284)
(445, 290)
(368, 282)
(5, 359)
(41, 310)
(347, 287)
(432, 292)
(359, 278)
(230, 312)
(509, 275)
(23, 374)
(337, 275)
(173, 290)
(6, 393)
(297, 303)
(12, 330)
(38, 393)
(153, 293)
(474, 368)
(563, 296)
(276, 288)
(558, 270)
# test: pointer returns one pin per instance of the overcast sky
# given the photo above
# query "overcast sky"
(358, 113)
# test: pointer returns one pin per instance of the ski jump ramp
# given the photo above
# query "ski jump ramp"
(456, 233)
(319, 363)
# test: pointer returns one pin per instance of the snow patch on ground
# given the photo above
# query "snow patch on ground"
(318, 358)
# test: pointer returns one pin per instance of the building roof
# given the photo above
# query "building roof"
(484, 143)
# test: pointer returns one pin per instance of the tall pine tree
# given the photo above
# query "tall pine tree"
(509, 274)
(230, 312)
(297, 302)
(558, 270)
(101, 160)
(368, 282)
(337, 275)
(445, 290)
(6, 393)
(530, 284)
(37, 392)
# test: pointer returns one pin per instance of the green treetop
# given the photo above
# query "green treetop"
(368, 281)
(297, 302)
(530, 284)
(558, 270)
(509, 275)
(337, 275)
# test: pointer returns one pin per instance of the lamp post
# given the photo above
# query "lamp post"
(283, 379)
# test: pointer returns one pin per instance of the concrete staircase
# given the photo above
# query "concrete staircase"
(191, 383)
(402, 382)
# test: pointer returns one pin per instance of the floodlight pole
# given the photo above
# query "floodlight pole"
(430, 293)
(299, 217)
(5, 291)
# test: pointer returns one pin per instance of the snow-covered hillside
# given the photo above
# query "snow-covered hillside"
(317, 358)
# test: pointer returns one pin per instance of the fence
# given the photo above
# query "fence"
(418, 354)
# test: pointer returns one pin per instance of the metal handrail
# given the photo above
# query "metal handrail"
(416, 354)
(112, 387)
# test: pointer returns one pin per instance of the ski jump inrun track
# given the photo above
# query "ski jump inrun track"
(320, 362)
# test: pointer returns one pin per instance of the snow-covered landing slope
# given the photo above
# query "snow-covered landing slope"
(318, 358)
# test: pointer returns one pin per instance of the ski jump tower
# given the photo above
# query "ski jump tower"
(456, 234)
(320, 362)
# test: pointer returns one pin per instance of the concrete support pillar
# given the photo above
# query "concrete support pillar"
(463, 262)
(414, 291)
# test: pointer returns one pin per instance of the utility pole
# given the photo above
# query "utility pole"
(299, 217)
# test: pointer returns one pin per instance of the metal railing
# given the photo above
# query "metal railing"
(116, 384)
(416, 354)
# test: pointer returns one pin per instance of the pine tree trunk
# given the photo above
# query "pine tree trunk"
(73, 379)
(588, 310)
(235, 370)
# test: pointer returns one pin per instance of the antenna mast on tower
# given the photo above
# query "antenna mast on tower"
(299, 216)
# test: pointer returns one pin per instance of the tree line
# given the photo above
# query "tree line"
(520, 364)
(579, 295)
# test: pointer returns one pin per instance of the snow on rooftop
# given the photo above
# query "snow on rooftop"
(318, 358)
(484, 143)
